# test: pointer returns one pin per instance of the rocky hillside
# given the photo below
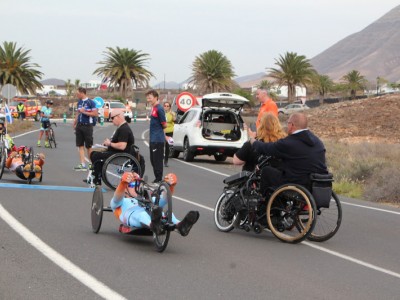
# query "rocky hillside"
(374, 51)
(374, 120)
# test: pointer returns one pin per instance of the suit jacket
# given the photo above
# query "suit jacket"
(302, 153)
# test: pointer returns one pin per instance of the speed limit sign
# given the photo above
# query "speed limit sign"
(185, 100)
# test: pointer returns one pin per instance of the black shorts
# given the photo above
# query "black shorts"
(45, 124)
(84, 135)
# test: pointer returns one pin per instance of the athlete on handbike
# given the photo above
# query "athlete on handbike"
(134, 215)
(24, 165)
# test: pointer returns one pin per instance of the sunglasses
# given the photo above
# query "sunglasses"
(112, 118)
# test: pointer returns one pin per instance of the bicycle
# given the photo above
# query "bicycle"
(51, 135)
(148, 198)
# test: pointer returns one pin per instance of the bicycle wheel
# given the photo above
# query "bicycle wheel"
(328, 221)
(224, 212)
(97, 209)
(164, 200)
(52, 139)
(29, 160)
(115, 166)
(3, 158)
(291, 205)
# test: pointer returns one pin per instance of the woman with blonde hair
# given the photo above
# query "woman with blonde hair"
(270, 130)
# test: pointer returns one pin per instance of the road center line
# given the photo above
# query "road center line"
(85, 278)
(334, 253)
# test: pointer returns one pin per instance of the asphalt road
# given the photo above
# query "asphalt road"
(48, 250)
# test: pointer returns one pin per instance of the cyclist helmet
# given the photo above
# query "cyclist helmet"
(49, 102)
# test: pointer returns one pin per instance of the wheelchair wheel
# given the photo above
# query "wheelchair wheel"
(328, 221)
(163, 199)
(97, 209)
(3, 158)
(115, 166)
(290, 213)
(224, 212)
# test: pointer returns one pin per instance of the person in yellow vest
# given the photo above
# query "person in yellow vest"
(169, 130)
(21, 110)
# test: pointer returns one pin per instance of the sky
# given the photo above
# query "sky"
(68, 38)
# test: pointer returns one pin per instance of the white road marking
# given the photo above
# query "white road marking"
(331, 252)
(85, 278)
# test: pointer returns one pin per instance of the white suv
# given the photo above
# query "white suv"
(214, 128)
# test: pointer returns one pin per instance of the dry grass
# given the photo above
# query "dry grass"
(365, 170)
(19, 126)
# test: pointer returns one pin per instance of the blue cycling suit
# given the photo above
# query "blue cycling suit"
(132, 214)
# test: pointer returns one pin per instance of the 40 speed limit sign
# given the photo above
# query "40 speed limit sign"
(185, 100)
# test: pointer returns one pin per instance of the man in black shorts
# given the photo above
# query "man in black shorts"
(121, 141)
(83, 125)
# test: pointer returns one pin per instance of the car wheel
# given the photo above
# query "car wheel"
(187, 154)
(220, 157)
(175, 154)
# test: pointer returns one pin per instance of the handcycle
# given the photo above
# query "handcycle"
(51, 136)
(116, 165)
(148, 198)
(289, 212)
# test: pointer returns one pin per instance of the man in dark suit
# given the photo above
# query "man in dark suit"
(301, 152)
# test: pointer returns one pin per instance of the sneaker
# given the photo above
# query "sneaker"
(166, 164)
(155, 224)
(80, 167)
(38, 144)
(46, 145)
(90, 167)
(188, 221)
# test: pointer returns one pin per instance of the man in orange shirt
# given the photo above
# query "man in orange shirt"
(267, 105)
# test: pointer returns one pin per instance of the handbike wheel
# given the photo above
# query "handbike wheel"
(115, 166)
(97, 209)
(3, 158)
(328, 221)
(290, 205)
(224, 212)
(30, 160)
(163, 200)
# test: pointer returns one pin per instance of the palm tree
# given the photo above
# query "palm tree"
(355, 82)
(212, 72)
(125, 67)
(68, 87)
(16, 69)
(324, 84)
(77, 82)
(265, 84)
(294, 70)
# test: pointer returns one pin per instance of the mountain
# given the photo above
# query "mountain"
(53, 81)
(172, 85)
(251, 77)
(374, 51)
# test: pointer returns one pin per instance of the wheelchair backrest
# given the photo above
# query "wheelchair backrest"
(321, 189)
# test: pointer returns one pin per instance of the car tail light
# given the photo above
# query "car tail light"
(200, 148)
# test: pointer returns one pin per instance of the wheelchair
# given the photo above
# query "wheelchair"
(147, 198)
(115, 166)
(291, 212)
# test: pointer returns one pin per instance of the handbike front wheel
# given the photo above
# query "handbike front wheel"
(328, 221)
(163, 200)
(224, 212)
(291, 213)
